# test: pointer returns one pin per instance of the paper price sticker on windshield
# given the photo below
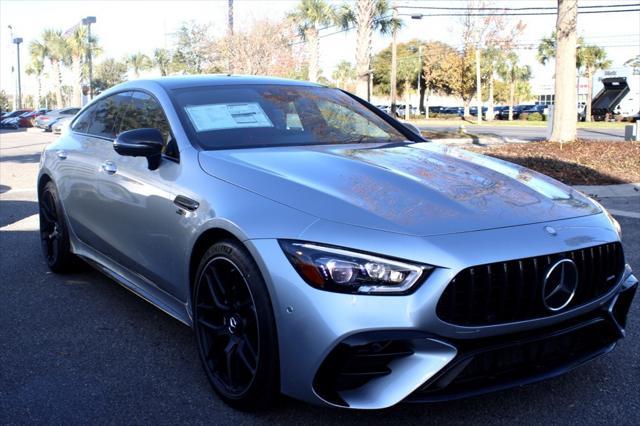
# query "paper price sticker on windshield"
(227, 116)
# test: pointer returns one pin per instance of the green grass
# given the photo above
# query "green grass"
(521, 123)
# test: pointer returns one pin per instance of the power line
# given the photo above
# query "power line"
(580, 12)
(516, 8)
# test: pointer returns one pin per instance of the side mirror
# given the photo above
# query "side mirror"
(141, 143)
(412, 127)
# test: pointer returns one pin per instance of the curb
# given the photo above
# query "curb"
(608, 191)
(478, 141)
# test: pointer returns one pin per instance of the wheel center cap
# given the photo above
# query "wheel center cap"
(234, 324)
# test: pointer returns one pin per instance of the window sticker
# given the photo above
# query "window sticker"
(227, 116)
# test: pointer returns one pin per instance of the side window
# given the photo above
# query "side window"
(146, 112)
(107, 115)
(82, 123)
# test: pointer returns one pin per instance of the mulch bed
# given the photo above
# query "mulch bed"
(579, 163)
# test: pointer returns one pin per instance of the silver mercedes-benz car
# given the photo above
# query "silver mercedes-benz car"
(321, 249)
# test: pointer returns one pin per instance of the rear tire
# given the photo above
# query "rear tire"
(54, 236)
(235, 327)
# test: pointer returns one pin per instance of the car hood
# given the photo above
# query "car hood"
(417, 189)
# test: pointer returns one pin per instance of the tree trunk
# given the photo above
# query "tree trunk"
(478, 87)
(58, 76)
(466, 103)
(587, 107)
(407, 107)
(421, 104)
(313, 43)
(39, 90)
(512, 95)
(490, 106)
(365, 10)
(565, 110)
(77, 78)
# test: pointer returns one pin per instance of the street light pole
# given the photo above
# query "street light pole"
(17, 41)
(88, 21)
(394, 62)
(478, 85)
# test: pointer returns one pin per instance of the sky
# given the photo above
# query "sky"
(125, 27)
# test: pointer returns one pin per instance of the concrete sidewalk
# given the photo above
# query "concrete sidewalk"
(608, 191)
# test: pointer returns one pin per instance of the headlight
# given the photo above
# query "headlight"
(345, 271)
(614, 222)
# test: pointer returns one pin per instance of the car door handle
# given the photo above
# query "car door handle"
(109, 167)
(186, 203)
(62, 154)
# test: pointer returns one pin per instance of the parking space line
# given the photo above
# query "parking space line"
(625, 213)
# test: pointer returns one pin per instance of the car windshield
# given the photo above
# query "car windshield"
(240, 116)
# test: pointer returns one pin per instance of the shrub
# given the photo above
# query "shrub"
(536, 116)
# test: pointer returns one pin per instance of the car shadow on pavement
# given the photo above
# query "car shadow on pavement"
(24, 158)
(12, 211)
(21, 129)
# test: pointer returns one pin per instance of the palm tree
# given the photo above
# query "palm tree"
(594, 58)
(492, 57)
(38, 53)
(344, 74)
(369, 16)
(547, 50)
(512, 73)
(162, 60)
(309, 16)
(77, 46)
(138, 62)
(57, 51)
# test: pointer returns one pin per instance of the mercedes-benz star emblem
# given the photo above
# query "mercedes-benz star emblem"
(233, 325)
(560, 285)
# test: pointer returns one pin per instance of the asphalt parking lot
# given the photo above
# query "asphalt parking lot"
(81, 349)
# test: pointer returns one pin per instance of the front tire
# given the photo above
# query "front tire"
(235, 327)
(54, 236)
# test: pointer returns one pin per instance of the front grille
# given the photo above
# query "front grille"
(512, 291)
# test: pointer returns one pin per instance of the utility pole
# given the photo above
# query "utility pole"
(88, 21)
(394, 62)
(230, 18)
(426, 111)
(478, 84)
(15, 82)
(17, 41)
(230, 47)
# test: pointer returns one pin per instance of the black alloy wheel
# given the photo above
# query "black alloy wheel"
(234, 327)
(54, 237)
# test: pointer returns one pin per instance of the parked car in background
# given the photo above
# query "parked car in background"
(28, 120)
(517, 110)
(384, 108)
(539, 108)
(46, 120)
(474, 111)
(453, 111)
(344, 261)
(435, 109)
(60, 124)
(12, 119)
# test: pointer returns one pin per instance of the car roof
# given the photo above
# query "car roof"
(186, 81)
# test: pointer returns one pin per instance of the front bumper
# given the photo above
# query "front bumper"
(372, 352)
